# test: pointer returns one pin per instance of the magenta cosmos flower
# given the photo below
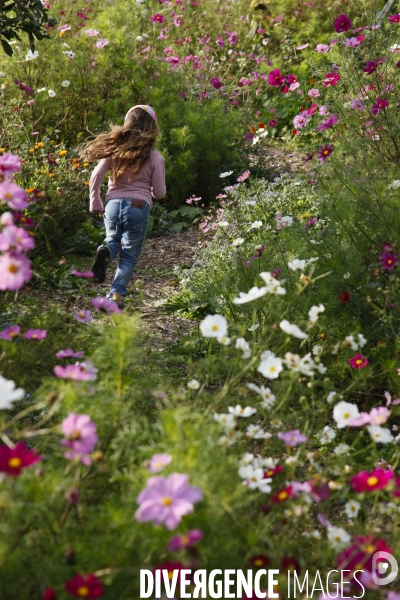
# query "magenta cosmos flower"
(9, 164)
(331, 79)
(84, 586)
(167, 499)
(105, 305)
(158, 462)
(327, 123)
(342, 23)
(372, 65)
(379, 106)
(394, 18)
(10, 332)
(80, 436)
(35, 334)
(16, 238)
(68, 353)
(358, 361)
(13, 460)
(369, 481)
(84, 371)
(292, 438)
(180, 542)
(388, 260)
(83, 274)
(13, 195)
(216, 83)
(157, 18)
(275, 78)
(15, 270)
(324, 152)
(83, 316)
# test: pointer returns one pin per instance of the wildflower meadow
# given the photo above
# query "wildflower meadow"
(255, 453)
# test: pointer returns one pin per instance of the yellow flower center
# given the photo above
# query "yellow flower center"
(372, 481)
(13, 269)
(14, 462)
(8, 196)
(358, 361)
(389, 262)
(83, 591)
(258, 562)
(283, 495)
(214, 328)
(75, 435)
(184, 539)
(170, 575)
(346, 415)
(272, 369)
(167, 501)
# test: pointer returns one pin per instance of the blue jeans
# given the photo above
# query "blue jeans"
(126, 228)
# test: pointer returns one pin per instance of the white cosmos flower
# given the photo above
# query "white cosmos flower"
(227, 420)
(269, 463)
(69, 53)
(276, 423)
(246, 459)
(297, 264)
(9, 393)
(326, 435)
(349, 342)
(262, 435)
(346, 275)
(268, 398)
(361, 340)
(214, 326)
(238, 411)
(253, 430)
(223, 224)
(254, 477)
(292, 361)
(226, 174)
(139, 38)
(341, 449)
(269, 280)
(317, 350)
(271, 367)
(379, 434)
(253, 327)
(313, 314)
(343, 412)
(230, 437)
(51, 93)
(307, 365)
(252, 294)
(193, 384)
(224, 340)
(287, 221)
(238, 242)
(41, 90)
(292, 329)
(65, 83)
(256, 225)
(276, 288)
(242, 344)
(338, 537)
(320, 368)
(31, 55)
(267, 354)
(331, 396)
(351, 508)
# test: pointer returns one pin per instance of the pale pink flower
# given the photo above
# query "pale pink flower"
(15, 270)
(13, 195)
(322, 48)
(16, 238)
(80, 436)
(101, 43)
(158, 462)
(84, 371)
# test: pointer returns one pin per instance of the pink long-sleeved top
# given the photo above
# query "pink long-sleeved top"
(148, 183)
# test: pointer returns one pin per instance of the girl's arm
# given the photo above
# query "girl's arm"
(95, 182)
(158, 177)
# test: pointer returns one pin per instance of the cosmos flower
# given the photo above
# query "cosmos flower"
(158, 462)
(342, 23)
(85, 586)
(324, 152)
(13, 460)
(15, 270)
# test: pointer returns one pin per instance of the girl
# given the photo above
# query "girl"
(137, 173)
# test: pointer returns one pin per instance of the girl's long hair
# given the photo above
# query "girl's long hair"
(129, 146)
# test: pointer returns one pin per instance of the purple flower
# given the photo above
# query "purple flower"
(220, 42)
(275, 78)
(292, 438)
(324, 152)
(91, 32)
(84, 371)
(342, 23)
(85, 275)
(157, 18)
(167, 499)
(13, 195)
(243, 176)
(232, 39)
(357, 105)
(9, 163)
(388, 260)
(327, 123)
(105, 305)
(158, 462)
(380, 104)
(249, 136)
(301, 120)
(311, 222)
(28, 91)
(68, 353)
(394, 19)
(83, 316)
(180, 542)
(372, 65)
(216, 83)
(15, 270)
(10, 332)
(101, 43)
(35, 334)
(16, 238)
(80, 436)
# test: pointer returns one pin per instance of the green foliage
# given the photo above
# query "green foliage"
(29, 17)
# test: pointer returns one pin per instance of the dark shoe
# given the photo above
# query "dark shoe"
(101, 262)
(119, 299)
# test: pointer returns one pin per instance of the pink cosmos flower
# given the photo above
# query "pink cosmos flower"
(294, 86)
(158, 462)
(301, 120)
(342, 23)
(324, 152)
(232, 38)
(361, 552)
(324, 111)
(84, 275)
(366, 481)
(13, 195)
(16, 238)
(91, 32)
(35, 334)
(178, 20)
(379, 415)
(312, 109)
(313, 93)
(357, 105)
(90, 584)
(372, 65)
(158, 18)
(243, 176)
(167, 499)
(388, 260)
(380, 104)
(101, 43)
(13, 460)
(302, 47)
(358, 361)
(322, 48)
(83, 316)
(9, 164)
(105, 305)
(15, 270)
(64, 28)
(9, 333)
(80, 436)
(216, 83)
(327, 123)
(292, 438)
(181, 542)
(351, 42)
(220, 42)
(275, 78)
(68, 353)
(84, 371)
(273, 123)
(331, 79)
